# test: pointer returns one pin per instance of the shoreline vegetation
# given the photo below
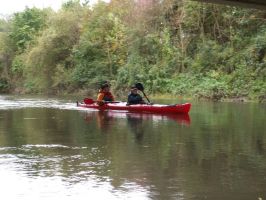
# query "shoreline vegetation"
(174, 48)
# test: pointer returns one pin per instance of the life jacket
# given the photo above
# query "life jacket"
(105, 96)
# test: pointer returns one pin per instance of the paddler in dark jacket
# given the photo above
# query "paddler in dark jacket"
(134, 97)
(104, 94)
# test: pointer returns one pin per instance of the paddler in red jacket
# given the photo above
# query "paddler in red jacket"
(104, 94)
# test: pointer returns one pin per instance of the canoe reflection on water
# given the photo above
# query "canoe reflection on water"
(135, 121)
(105, 118)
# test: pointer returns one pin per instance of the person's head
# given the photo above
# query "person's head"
(134, 89)
(105, 87)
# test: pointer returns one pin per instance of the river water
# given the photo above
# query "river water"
(50, 149)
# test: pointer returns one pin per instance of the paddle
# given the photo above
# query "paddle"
(91, 101)
(140, 87)
(88, 101)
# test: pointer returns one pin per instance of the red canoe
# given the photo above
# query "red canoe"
(145, 108)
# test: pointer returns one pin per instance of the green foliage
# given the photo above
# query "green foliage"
(4, 86)
(6, 56)
(207, 57)
(101, 50)
(212, 85)
(72, 5)
(25, 25)
(134, 71)
(18, 65)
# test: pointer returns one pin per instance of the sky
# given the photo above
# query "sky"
(8, 7)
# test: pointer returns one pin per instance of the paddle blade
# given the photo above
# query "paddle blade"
(139, 86)
(88, 101)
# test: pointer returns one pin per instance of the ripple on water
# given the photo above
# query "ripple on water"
(6, 104)
(30, 172)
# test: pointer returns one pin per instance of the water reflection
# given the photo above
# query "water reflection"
(105, 118)
(136, 125)
(49, 171)
(48, 153)
(102, 118)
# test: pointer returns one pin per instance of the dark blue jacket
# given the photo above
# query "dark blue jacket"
(134, 99)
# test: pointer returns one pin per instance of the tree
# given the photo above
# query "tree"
(102, 48)
(6, 55)
(48, 63)
(26, 25)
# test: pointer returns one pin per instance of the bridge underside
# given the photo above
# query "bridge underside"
(258, 4)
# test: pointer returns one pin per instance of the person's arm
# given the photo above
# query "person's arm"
(100, 96)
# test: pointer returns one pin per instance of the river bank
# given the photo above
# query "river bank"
(80, 94)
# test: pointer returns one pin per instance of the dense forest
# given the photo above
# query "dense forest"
(174, 47)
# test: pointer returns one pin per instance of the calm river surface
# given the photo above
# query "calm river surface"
(50, 149)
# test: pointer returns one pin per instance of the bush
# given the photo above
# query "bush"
(4, 85)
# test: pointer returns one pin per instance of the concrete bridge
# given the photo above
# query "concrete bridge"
(258, 4)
